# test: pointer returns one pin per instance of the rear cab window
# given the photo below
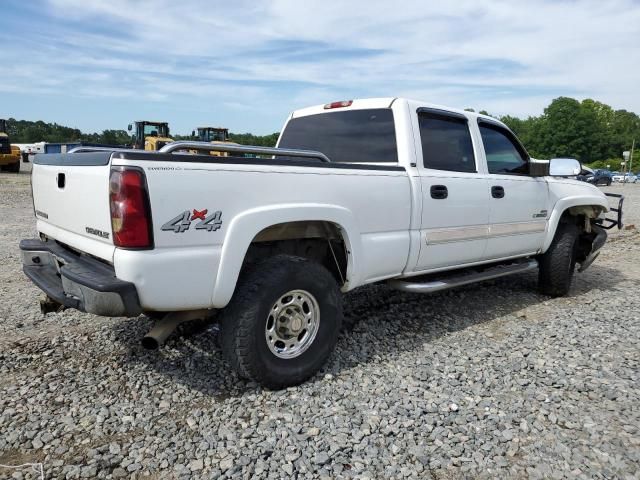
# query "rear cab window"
(350, 136)
(446, 141)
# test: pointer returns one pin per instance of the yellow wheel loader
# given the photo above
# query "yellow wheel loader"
(213, 135)
(150, 135)
(9, 154)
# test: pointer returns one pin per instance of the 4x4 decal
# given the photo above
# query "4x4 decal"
(182, 222)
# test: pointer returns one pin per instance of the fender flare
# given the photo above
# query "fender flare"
(246, 225)
(561, 206)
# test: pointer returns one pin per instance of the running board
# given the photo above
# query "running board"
(463, 279)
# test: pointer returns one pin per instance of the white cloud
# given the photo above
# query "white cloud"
(505, 57)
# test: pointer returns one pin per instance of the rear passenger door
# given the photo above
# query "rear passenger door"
(455, 204)
(518, 201)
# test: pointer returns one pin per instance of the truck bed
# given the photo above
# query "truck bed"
(250, 194)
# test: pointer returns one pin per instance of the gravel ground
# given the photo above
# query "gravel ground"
(487, 381)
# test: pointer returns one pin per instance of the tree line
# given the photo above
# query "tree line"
(588, 130)
(25, 131)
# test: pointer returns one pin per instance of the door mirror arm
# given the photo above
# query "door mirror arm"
(539, 168)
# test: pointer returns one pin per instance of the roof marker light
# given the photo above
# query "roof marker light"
(344, 103)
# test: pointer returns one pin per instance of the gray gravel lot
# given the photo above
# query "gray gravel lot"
(487, 381)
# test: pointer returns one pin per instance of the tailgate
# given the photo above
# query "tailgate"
(71, 200)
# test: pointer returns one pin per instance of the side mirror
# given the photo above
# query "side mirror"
(193, 133)
(130, 127)
(564, 167)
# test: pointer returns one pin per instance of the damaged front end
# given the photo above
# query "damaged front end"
(594, 235)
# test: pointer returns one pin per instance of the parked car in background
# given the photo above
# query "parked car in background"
(595, 177)
(585, 173)
(625, 177)
(601, 177)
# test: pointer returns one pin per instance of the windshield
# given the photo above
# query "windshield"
(211, 135)
(158, 130)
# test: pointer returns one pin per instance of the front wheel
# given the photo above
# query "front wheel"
(282, 322)
(558, 263)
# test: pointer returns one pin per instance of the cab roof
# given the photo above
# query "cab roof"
(386, 102)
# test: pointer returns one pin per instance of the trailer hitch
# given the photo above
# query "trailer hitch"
(49, 305)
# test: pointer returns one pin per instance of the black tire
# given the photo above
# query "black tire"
(14, 167)
(558, 263)
(244, 321)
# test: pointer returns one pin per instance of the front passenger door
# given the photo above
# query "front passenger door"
(518, 202)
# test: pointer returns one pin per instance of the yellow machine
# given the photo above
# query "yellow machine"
(150, 135)
(213, 135)
(9, 154)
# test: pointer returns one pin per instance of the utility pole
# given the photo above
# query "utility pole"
(633, 144)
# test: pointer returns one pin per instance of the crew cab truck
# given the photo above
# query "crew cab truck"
(419, 196)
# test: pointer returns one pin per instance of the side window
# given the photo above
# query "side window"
(446, 143)
(503, 154)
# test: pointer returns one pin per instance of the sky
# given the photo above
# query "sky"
(245, 65)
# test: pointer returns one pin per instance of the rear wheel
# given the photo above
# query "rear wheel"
(558, 263)
(282, 322)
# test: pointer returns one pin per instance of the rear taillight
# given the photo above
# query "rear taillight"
(130, 211)
(342, 104)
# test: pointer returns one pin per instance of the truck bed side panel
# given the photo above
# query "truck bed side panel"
(378, 200)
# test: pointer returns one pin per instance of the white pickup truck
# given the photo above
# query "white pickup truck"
(390, 190)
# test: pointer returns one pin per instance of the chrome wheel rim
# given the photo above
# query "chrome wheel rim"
(292, 324)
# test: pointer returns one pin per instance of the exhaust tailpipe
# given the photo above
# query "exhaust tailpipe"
(167, 324)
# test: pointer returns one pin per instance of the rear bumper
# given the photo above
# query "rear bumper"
(78, 281)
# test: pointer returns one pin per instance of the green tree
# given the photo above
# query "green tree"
(250, 139)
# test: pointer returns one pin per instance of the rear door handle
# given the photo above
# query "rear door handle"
(439, 192)
(497, 191)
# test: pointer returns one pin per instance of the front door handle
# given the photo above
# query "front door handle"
(497, 191)
(439, 192)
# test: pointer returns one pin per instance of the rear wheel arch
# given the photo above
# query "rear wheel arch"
(321, 241)
(276, 225)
